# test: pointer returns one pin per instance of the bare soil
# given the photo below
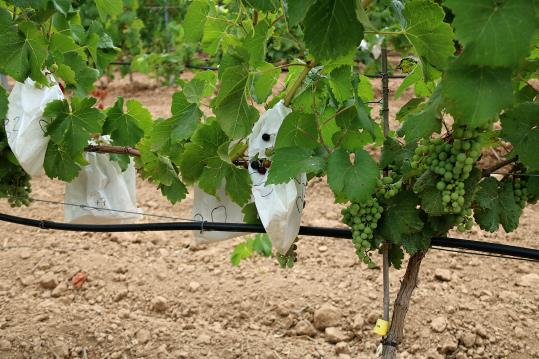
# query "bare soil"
(156, 295)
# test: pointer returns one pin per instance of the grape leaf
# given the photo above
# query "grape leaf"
(180, 126)
(109, 8)
(332, 28)
(71, 126)
(409, 107)
(298, 129)
(415, 242)
(396, 256)
(60, 164)
(362, 111)
(476, 95)
(431, 198)
(250, 214)
(520, 126)
(495, 205)
(194, 20)
(400, 217)
(256, 43)
(297, 11)
(233, 112)
(429, 120)
(289, 162)
(214, 31)
(339, 81)
(263, 80)
(174, 192)
(126, 128)
(264, 5)
(237, 181)
(22, 53)
(202, 85)
(3, 105)
(355, 180)
(494, 33)
(429, 34)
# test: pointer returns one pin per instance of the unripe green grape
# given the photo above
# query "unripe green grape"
(440, 186)
(466, 146)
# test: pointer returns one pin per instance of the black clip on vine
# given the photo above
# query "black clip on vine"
(384, 341)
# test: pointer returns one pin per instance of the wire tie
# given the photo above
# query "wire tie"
(389, 343)
(42, 224)
(202, 227)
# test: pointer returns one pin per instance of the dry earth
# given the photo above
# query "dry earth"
(155, 295)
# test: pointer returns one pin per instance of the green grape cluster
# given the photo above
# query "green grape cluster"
(388, 188)
(362, 218)
(520, 191)
(16, 187)
(452, 161)
(290, 257)
(465, 220)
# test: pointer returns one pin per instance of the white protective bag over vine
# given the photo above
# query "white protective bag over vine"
(25, 125)
(219, 208)
(279, 206)
(100, 187)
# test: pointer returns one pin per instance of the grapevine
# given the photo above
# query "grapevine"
(432, 181)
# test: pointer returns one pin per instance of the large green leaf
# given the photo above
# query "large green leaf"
(3, 105)
(60, 164)
(126, 128)
(298, 129)
(263, 80)
(264, 5)
(71, 126)
(289, 162)
(180, 126)
(255, 43)
(109, 8)
(355, 180)
(476, 95)
(495, 205)
(520, 126)
(341, 84)
(215, 29)
(494, 33)
(194, 20)
(233, 112)
(332, 28)
(22, 53)
(429, 34)
(297, 10)
(401, 217)
(424, 123)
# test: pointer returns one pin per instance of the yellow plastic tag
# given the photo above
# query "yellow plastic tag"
(381, 328)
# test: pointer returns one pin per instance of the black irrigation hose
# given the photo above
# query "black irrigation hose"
(487, 247)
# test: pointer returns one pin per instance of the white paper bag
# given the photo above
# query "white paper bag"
(25, 126)
(218, 208)
(101, 186)
(279, 206)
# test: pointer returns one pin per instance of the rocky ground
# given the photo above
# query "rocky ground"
(156, 295)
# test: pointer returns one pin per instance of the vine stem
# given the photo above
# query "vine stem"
(402, 303)
(297, 84)
(113, 149)
(488, 171)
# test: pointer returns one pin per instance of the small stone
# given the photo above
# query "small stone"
(438, 324)
(60, 289)
(335, 335)
(42, 317)
(48, 281)
(326, 316)
(342, 348)
(358, 322)
(520, 333)
(528, 280)
(25, 254)
(60, 349)
(461, 356)
(143, 336)
(304, 327)
(323, 249)
(159, 304)
(27, 280)
(373, 317)
(121, 295)
(468, 339)
(344, 356)
(449, 345)
(193, 286)
(124, 313)
(442, 275)
(5, 345)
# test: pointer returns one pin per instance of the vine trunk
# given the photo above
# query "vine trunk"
(402, 303)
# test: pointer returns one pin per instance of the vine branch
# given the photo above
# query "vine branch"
(113, 149)
(488, 171)
(297, 84)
